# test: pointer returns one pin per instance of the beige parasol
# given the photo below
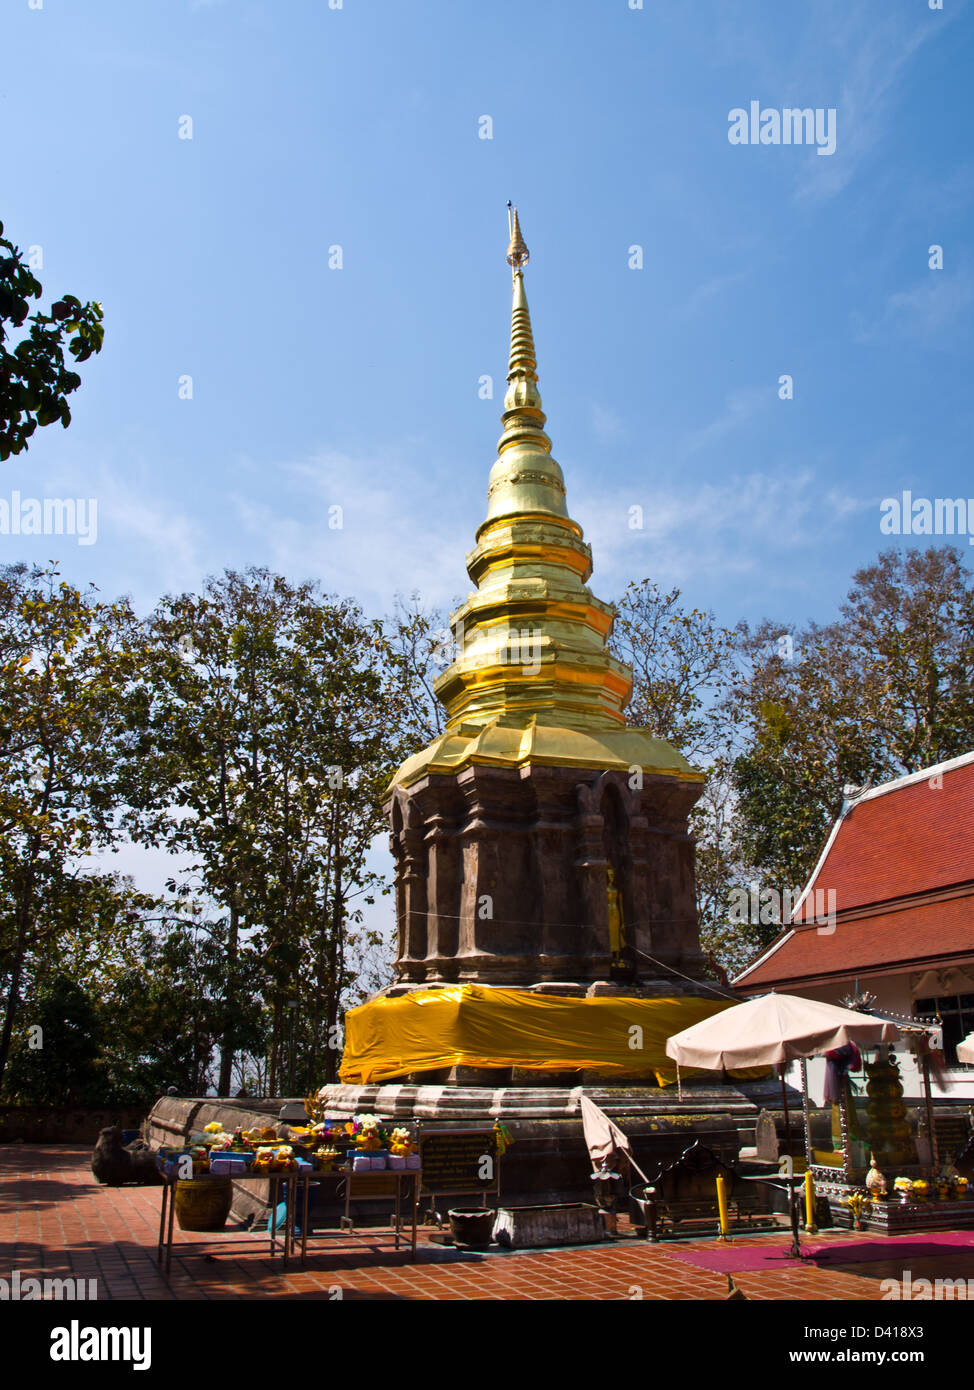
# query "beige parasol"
(965, 1050)
(771, 1029)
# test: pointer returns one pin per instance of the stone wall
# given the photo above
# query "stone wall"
(502, 875)
(46, 1124)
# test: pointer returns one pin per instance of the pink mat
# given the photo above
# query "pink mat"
(736, 1259)
(774, 1253)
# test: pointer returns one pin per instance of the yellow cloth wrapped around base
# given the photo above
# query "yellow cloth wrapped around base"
(480, 1026)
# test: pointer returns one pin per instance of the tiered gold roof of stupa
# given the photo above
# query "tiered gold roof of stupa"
(533, 679)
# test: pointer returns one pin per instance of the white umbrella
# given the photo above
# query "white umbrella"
(772, 1029)
(965, 1050)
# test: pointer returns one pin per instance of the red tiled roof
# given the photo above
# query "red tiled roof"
(888, 940)
(911, 839)
(902, 841)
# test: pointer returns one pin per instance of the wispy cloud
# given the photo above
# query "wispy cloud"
(739, 408)
(854, 57)
(393, 533)
(928, 313)
(709, 290)
(748, 524)
(863, 60)
(607, 426)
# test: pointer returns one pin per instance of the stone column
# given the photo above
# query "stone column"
(413, 879)
(640, 933)
(591, 871)
(443, 899)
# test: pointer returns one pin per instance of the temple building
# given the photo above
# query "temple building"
(899, 868)
(540, 842)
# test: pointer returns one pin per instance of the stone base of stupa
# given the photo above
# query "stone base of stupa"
(548, 1161)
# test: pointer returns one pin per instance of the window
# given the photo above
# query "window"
(957, 1012)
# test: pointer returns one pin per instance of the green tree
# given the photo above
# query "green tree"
(683, 663)
(66, 659)
(35, 380)
(170, 1036)
(421, 646)
(883, 691)
(684, 667)
(57, 1061)
(270, 724)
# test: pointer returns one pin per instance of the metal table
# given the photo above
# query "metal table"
(361, 1187)
(274, 1179)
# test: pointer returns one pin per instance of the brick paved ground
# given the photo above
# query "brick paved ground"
(56, 1221)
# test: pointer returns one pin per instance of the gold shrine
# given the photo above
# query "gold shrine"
(533, 680)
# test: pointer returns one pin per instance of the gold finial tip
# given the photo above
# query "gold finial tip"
(517, 251)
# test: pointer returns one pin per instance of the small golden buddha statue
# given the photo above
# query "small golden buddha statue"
(617, 922)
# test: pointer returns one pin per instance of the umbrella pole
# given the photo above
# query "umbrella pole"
(784, 1102)
(637, 1167)
(808, 1121)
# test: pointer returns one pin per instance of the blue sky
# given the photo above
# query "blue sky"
(359, 127)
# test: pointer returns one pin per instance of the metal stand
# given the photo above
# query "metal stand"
(411, 1175)
(167, 1216)
(789, 1180)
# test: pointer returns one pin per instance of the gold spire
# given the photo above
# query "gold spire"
(525, 477)
(533, 679)
(523, 418)
(517, 251)
(530, 566)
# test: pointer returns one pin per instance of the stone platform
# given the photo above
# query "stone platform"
(548, 1160)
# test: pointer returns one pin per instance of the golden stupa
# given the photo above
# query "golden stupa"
(511, 826)
(533, 680)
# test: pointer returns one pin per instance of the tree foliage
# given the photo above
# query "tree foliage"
(682, 662)
(269, 725)
(884, 690)
(421, 645)
(35, 379)
(66, 659)
(59, 1063)
(787, 720)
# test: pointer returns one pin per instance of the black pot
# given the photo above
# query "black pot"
(473, 1226)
